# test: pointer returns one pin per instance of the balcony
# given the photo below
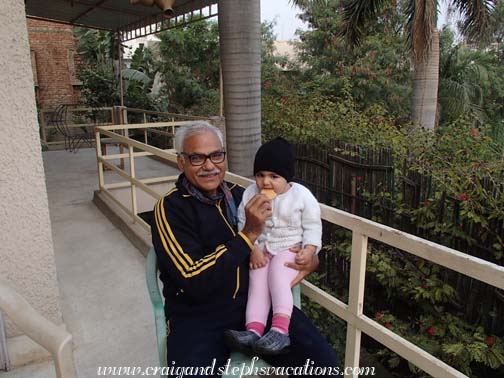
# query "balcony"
(101, 274)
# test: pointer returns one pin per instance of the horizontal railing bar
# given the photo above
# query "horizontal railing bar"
(137, 182)
(334, 305)
(78, 109)
(406, 349)
(144, 125)
(119, 156)
(165, 133)
(175, 115)
(166, 154)
(394, 342)
(471, 266)
(154, 180)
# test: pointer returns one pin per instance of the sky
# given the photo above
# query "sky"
(285, 15)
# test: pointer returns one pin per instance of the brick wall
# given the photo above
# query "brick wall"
(54, 60)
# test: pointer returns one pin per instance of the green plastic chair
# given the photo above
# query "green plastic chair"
(238, 360)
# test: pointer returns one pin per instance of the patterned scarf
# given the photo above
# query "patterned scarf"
(224, 192)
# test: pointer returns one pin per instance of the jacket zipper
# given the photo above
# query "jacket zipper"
(237, 282)
(223, 217)
(234, 234)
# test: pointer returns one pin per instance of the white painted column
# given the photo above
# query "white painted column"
(26, 246)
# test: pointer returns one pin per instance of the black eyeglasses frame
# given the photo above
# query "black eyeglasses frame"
(191, 157)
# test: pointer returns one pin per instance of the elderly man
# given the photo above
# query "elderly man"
(204, 260)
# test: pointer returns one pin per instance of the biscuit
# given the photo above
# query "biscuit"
(270, 193)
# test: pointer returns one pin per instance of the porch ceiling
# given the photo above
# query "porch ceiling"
(116, 15)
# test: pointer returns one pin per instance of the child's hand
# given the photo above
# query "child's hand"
(305, 255)
(258, 258)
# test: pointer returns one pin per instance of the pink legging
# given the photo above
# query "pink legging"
(273, 279)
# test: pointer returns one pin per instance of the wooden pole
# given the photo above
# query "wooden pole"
(121, 89)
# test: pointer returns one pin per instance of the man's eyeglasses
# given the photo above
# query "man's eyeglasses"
(196, 160)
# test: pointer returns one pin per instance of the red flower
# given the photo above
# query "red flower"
(388, 325)
(378, 315)
(284, 99)
(359, 178)
(490, 340)
(424, 286)
(474, 133)
(427, 203)
(431, 331)
(463, 197)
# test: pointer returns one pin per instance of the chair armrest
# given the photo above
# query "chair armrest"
(296, 295)
(157, 305)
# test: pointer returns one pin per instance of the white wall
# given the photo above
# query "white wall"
(26, 248)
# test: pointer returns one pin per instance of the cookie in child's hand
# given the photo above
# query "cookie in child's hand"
(270, 193)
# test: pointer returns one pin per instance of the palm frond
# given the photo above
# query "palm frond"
(356, 15)
(476, 15)
(422, 15)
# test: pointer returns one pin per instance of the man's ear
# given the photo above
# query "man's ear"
(180, 162)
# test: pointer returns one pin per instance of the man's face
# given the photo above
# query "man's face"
(206, 177)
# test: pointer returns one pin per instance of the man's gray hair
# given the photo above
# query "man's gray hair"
(187, 131)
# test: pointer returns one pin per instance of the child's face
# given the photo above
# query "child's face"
(270, 180)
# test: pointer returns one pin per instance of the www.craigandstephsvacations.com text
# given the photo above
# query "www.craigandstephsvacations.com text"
(237, 370)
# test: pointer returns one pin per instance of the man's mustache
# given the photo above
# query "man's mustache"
(208, 173)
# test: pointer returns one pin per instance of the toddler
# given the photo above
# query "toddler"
(295, 223)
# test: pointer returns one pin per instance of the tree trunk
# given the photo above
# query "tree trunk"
(240, 52)
(425, 87)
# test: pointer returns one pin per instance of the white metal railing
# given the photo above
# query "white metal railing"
(362, 229)
(48, 123)
(53, 338)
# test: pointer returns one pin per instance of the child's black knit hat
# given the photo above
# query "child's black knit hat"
(276, 156)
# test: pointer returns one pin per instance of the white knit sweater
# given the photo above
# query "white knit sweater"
(295, 219)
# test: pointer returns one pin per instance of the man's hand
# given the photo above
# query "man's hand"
(304, 256)
(258, 258)
(304, 269)
(258, 209)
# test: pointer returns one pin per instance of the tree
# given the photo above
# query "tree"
(189, 65)
(240, 42)
(378, 69)
(100, 72)
(423, 40)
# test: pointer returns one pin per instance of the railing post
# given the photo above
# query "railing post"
(124, 116)
(356, 298)
(43, 125)
(133, 187)
(101, 180)
(145, 130)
